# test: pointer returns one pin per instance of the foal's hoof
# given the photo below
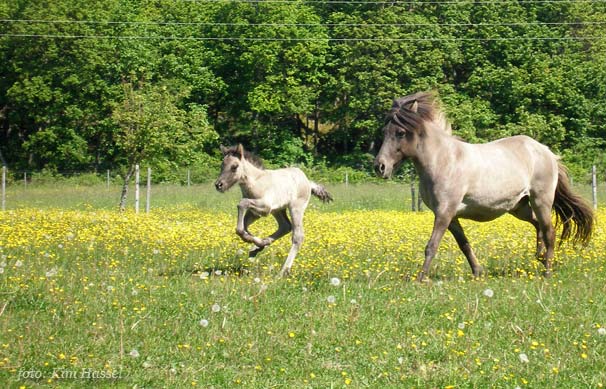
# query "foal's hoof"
(285, 272)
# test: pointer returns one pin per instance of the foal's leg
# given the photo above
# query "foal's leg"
(284, 227)
(296, 214)
(260, 209)
(440, 224)
(250, 218)
(457, 231)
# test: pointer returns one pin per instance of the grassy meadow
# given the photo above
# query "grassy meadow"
(92, 297)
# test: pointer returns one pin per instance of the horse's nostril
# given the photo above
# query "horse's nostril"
(218, 185)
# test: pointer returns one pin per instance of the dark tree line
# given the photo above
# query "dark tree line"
(105, 84)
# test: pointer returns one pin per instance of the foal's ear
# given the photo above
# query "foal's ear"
(224, 149)
(240, 151)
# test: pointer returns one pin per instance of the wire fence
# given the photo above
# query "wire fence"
(31, 187)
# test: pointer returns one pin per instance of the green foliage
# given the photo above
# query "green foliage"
(297, 82)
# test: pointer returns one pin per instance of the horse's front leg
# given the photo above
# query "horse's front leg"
(457, 231)
(257, 207)
(440, 224)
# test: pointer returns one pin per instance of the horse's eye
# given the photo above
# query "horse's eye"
(400, 133)
(234, 168)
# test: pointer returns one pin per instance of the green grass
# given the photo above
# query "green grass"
(73, 301)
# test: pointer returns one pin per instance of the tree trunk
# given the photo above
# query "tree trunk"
(127, 178)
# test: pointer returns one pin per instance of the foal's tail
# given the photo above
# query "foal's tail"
(570, 208)
(320, 192)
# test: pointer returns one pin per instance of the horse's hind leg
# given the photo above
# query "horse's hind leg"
(457, 231)
(296, 214)
(542, 210)
(524, 212)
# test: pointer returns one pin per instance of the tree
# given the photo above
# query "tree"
(152, 128)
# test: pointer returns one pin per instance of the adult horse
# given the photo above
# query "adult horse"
(481, 182)
(268, 192)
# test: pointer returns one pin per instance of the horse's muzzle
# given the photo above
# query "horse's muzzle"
(381, 169)
(220, 186)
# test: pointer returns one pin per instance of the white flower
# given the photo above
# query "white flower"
(1, 270)
(147, 364)
(156, 251)
(602, 331)
(523, 358)
(400, 360)
(204, 275)
(134, 353)
(52, 272)
(257, 280)
(461, 326)
(203, 323)
(18, 264)
(335, 281)
(353, 302)
(216, 308)
(331, 299)
(488, 293)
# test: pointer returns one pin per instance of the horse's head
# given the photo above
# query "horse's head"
(400, 135)
(233, 169)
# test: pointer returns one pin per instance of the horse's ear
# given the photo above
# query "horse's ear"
(224, 149)
(413, 106)
(240, 151)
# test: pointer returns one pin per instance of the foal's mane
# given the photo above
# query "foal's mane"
(250, 157)
(410, 112)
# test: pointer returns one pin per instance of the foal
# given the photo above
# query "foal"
(268, 192)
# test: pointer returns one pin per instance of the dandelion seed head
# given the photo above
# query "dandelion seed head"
(51, 273)
(488, 292)
(331, 299)
(335, 281)
(216, 308)
(203, 323)
(602, 331)
(134, 353)
(523, 358)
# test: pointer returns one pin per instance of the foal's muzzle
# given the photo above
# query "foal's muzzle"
(220, 186)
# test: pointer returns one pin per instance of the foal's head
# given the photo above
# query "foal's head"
(403, 130)
(233, 168)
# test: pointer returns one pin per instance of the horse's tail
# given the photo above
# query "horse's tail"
(320, 192)
(570, 208)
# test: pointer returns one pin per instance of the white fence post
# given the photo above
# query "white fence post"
(25, 179)
(148, 194)
(188, 178)
(137, 188)
(3, 188)
(594, 187)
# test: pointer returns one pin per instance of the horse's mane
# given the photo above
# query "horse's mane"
(428, 108)
(250, 157)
